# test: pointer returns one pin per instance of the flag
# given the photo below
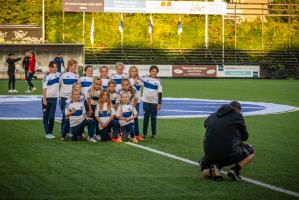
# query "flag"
(180, 27)
(120, 27)
(92, 31)
(150, 26)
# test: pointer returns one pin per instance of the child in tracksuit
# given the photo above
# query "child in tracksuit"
(67, 79)
(119, 75)
(76, 113)
(152, 99)
(105, 114)
(136, 83)
(133, 98)
(104, 71)
(87, 79)
(126, 113)
(50, 96)
(93, 95)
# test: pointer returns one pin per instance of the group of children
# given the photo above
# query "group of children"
(107, 105)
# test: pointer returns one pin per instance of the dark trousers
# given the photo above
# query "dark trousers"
(77, 130)
(150, 111)
(136, 127)
(11, 81)
(97, 127)
(126, 130)
(49, 115)
(26, 73)
(114, 124)
(29, 80)
(65, 123)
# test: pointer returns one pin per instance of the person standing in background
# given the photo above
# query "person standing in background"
(31, 70)
(59, 60)
(11, 72)
(25, 64)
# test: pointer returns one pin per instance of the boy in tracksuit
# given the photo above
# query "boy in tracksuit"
(152, 99)
(50, 96)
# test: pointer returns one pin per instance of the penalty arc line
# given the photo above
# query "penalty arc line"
(248, 180)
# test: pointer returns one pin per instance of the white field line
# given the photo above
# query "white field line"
(248, 180)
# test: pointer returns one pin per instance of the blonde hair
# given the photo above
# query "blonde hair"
(70, 63)
(73, 92)
(101, 103)
(119, 64)
(131, 68)
(75, 84)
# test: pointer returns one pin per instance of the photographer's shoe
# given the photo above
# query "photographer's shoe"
(216, 173)
(234, 175)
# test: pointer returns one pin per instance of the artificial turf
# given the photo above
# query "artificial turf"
(32, 167)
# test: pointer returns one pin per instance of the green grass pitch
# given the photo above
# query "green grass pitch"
(32, 167)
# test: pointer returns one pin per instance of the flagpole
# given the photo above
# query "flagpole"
(151, 34)
(43, 21)
(63, 26)
(121, 34)
(206, 31)
(180, 45)
(83, 30)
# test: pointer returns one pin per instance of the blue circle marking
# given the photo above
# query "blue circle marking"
(30, 107)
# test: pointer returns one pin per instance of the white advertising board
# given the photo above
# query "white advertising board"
(238, 71)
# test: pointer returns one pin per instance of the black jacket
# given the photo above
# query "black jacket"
(25, 63)
(11, 65)
(225, 129)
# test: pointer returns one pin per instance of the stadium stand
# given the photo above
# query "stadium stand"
(271, 62)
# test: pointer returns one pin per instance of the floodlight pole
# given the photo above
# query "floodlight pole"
(222, 39)
(43, 20)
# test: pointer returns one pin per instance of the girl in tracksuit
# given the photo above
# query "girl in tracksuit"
(152, 99)
(31, 70)
(76, 113)
(126, 113)
(93, 95)
(50, 85)
(136, 83)
(67, 79)
(119, 75)
(105, 114)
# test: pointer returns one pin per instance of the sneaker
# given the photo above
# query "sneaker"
(144, 136)
(119, 139)
(63, 139)
(27, 91)
(15, 90)
(139, 138)
(10, 91)
(234, 175)
(33, 89)
(98, 137)
(134, 140)
(216, 173)
(69, 135)
(50, 136)
(114, 140)
(92, 140)
(153, 136)
(82, 137)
